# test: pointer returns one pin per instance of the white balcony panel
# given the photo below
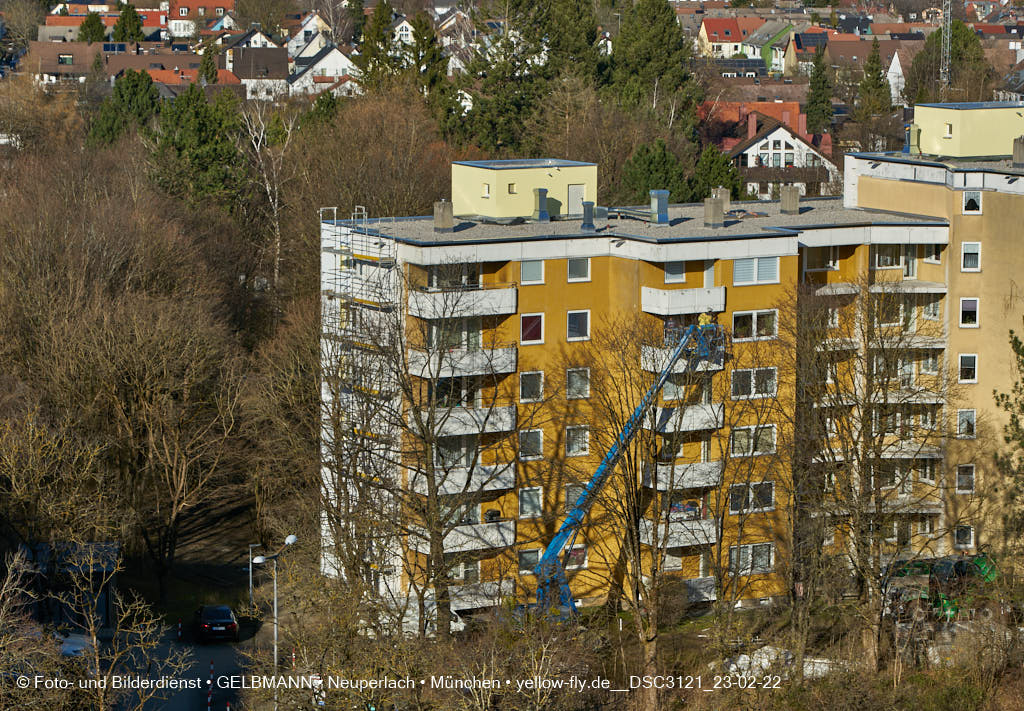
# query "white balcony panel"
(458, 480)
(673, 302)
(463, 302)
(911, 286)
(486, 594)
(701, 589)
(655, 359)
(689, 419)
(681, 533)
(462, 361)
(472, 420)
(471, 537)
(666, 477)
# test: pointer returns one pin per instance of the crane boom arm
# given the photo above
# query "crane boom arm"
(697, 343)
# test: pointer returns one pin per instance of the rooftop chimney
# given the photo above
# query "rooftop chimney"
(444, 221)
(659, 207)
(724, 195)
(790, 195)
(785, 119)
(540, 205)
(713, 216)
(1018, 152)
(751, 124)
(588, 217)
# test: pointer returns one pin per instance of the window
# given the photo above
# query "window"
(926, 470)
(531, 386)
(750, 498)
(758, 382)
(675, 387)
(833, 317)
(511, 188)
(531, 502)
(461, 514)
(183, 12)
(972, 202)
(970, 257)
(968, 313)
(965, 424)
(749, 325)
(577, 558)
(201, 11)
(577, 326)
(219, 12)
(930, 363)
(577, 441)
(579, 269)
(675, 272)
(573, 492)
(963, 537)
(486, 190)
(886, 419)
(926, 526)
(933, 253)
(931, 308)
(577, 383)
(455, 451)
(965, 479)
(531, 444)
(755, 270)
(748, 441)
(886, 474)
(65, 59)
(887, 256)
(968, 368)
(532, 326)
(528, 561)
(949, 131)
(750, 559)
(531, 271)
(818, 259)
(928, 417)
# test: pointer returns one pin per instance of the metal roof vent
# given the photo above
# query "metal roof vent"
(540, 205)
(588, 217)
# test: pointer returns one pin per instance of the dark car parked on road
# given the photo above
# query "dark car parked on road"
(216, 622)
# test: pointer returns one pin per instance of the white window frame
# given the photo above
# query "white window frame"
(964, 253)
(511, 188)
(977, 312)
(963, 203)
(574, 339)
(575, 280)
(949, 131)
(926, 525)
(833, 317)
(519, 560)
(752, 395)
(899, 256)
(750, 498)
(569, 396)
(925, 366)
(963, 546)
(182, 12)
(523, 281)
(753, 440)
(960, 368)
(974, 483)
(540, 510)
(923, 475)
(757, 268)
(531, 372)
(531, 343)
(831, 264)
(753, 324)
(927, 309)
(530, 457)
(570, 501)
(676, 280)
(749, 568)
(586, 557)
(974, 433)
(485, 191)
(933, 254)
(586, 441)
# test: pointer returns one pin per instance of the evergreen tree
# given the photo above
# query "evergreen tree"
(357, 13)
(424, 57)
(208, 65)
(819, 97)
(654, 167)
(714, 169)
(129, 26)
(377, 61)
(873, 95)
(92, 29)
(970, 74)
(323, 110)
(570, 36)
(134, 102)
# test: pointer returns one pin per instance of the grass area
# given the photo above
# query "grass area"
(184, 596)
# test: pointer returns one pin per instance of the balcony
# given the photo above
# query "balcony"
(459, 480)
(456, 362)
(490, 300)
(654, 360)
(910, 286)
(675, 302)
(681, 533)
(449, 421)
(475, 595)
(697, 475)
(471, 537)
(701, 589)
(689, 419)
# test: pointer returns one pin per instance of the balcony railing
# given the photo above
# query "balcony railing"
(461, 302)
(674, 302)
(471, 537)
(689, 419)
(454, 362)
(458, 480)
(451, 421)
(696, 475)
(701, 589)
(476, 595)
(654, 359)
(680, 533)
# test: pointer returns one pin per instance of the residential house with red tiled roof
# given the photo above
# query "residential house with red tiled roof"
(186, 15)
(719, 37)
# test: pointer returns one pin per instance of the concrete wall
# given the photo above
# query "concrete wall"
(965, 133)
(508, 192)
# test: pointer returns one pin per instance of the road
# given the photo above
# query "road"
(226, 661)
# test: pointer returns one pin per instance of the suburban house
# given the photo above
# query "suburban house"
(401, 30)
(253, 38)
(769, 43)
(310, 31)
(263, 71)
(723, 37)
(775, 154)
(64, 28)
(186, 16)
(312, 75)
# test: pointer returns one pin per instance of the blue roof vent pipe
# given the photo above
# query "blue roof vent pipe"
(540, 205)
(659, 207)
(588, 217)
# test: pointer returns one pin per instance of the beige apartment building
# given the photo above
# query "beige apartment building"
(485, 329)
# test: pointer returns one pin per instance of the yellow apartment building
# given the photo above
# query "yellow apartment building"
(499, 310)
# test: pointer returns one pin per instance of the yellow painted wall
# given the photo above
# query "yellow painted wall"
(974, 132)
(468, 191)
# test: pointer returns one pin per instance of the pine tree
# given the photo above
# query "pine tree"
(570, 34)
(971, 75)
(129, 26)
(873, 95)
(134, 102)
(654, 167)
(92, 29)
(714, 169)
(424, 58)
(819, 97)
(357, 13)
(208, 65)
(651, 55)
(376, 60)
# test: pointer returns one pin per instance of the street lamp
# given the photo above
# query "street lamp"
(260, 560)
(251, 546)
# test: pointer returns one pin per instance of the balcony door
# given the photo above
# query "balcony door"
(453, 276)
(453, 333)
